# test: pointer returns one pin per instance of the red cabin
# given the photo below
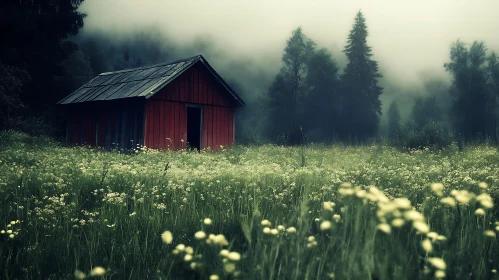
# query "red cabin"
(173, 105)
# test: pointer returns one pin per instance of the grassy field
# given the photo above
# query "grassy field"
(266, 212)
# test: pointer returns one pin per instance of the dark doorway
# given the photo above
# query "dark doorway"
(194, 127)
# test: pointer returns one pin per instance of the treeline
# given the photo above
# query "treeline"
(309, 100)
(470, 116)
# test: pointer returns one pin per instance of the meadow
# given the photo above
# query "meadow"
(264, 212)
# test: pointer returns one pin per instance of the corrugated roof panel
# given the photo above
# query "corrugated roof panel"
(142, 74)
(161, 72)
(135, 91)
(126, 90)
(99, 80)
(113, 78)
(98, 91)
(112, 89)
(76, 94)
(152, 85)
(85, 97)
(123, 77)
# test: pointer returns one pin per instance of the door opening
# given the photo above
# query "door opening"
(194, 127)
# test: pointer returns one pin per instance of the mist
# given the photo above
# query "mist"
(244, 40)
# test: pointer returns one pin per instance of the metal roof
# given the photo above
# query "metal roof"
(139, 82)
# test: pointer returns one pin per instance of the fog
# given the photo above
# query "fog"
(244, 40)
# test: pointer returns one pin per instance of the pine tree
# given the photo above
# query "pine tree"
(361, 107)
(322, 99)
(472, 109)
(289, 88)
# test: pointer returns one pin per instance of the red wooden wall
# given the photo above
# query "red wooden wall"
(166, 111)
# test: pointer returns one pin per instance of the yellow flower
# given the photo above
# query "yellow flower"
(281, 228)
(326, 225)
(97, 271)
(274, 231)
(483, 185)
(490, 233)
(266, 223)
(266, 230)
(79, 274)
(398, 222)
(167, 237)
(200, 235)
(291, 230)
(384, 228)
(421, 226)
(437, 188)
(336, 217)
(438, 263)
(328, 206)
(234, 256)
(480, 212)
(448, 201)
(439, 274)
(187, 258)
(224, 253)
(427, 246)
(207, 221)
(214, 277)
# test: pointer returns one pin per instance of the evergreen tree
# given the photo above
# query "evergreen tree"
(34, 41)
(322, 99)
(289, 88)
(493, 81)
(393, 121)
(361, 107)
(472, 109)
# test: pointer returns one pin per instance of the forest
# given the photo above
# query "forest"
(311, 99)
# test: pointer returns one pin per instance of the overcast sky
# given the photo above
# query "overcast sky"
(409, 39)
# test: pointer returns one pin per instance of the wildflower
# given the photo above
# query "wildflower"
(293, 229)
(483, 185)
(132, 214)
(439, 274)
(79, 274)
(9, 231)
(189, 250)
(448, 201)
(187, 258)
(346, 185)
(274, 231)
(230, 267)
(421, 226)
(437, 188)
(427, 246)
(266, 223)
(414, 215)
(220, 240)
(266, 230)
(167, 237)
(234, 256)
(438, 263)
(328, 206)
(207, 221)
(336, 217)
(398, 222)
(480, 212)
(12, 236)
(463, 197)
(193, 265)
(2, 232)
(490, 233)
(97, 271)
(224, 253)
(281, 228)
(441, 238)
(214, 277)
(180, 247)
(344, 191)
(485, 200)
(326, 225)
(200, 235)
(402, 203)
(311, 238)
(384, 228)
(317, 220)
(433, 235)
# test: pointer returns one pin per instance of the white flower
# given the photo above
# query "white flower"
(326, 225)
(200, 235)
(97, 271)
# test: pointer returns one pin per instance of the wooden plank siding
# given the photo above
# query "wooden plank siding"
(166, 112)
(116, 124)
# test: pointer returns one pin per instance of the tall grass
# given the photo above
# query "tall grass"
(274, 215)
